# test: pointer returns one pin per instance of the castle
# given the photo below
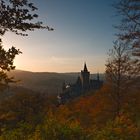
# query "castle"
(82, 86)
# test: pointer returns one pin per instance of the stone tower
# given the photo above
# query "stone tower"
(98, 77)
(85, 75)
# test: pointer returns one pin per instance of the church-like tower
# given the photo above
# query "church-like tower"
(85, 75)
(81, 86)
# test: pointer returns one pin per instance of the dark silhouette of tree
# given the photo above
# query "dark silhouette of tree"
(17, 16)
(129, 11)
(129, 27)
(121, 73)
(6, 64)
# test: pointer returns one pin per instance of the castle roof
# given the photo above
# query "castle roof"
(85, 67)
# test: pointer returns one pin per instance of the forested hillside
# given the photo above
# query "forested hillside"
(88, 117)
(30, 107)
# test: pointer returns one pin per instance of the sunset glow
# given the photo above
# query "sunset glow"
(82, 34)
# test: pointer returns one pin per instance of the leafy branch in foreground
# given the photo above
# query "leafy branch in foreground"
(17, 16)
(6, 63)
(129, 11)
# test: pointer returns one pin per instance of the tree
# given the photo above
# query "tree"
(121, 73)
(6, 64)
(22, 107)
(17, 16)
(121, 128)
(129, 10)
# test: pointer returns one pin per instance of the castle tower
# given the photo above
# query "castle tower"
(85, 74)
(98, 77)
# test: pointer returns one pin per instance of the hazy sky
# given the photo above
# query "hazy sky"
(83, 33)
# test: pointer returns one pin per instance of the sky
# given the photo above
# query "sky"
(83, 32)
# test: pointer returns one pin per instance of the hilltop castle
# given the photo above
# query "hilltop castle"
(82, 85)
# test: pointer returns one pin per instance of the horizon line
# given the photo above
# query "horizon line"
(54, 71)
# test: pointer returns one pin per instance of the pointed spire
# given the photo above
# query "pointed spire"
(85, 67)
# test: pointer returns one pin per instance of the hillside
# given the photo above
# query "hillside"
(44, 82)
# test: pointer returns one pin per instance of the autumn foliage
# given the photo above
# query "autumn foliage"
(90, 117)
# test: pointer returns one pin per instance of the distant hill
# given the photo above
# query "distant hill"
(44, 82)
